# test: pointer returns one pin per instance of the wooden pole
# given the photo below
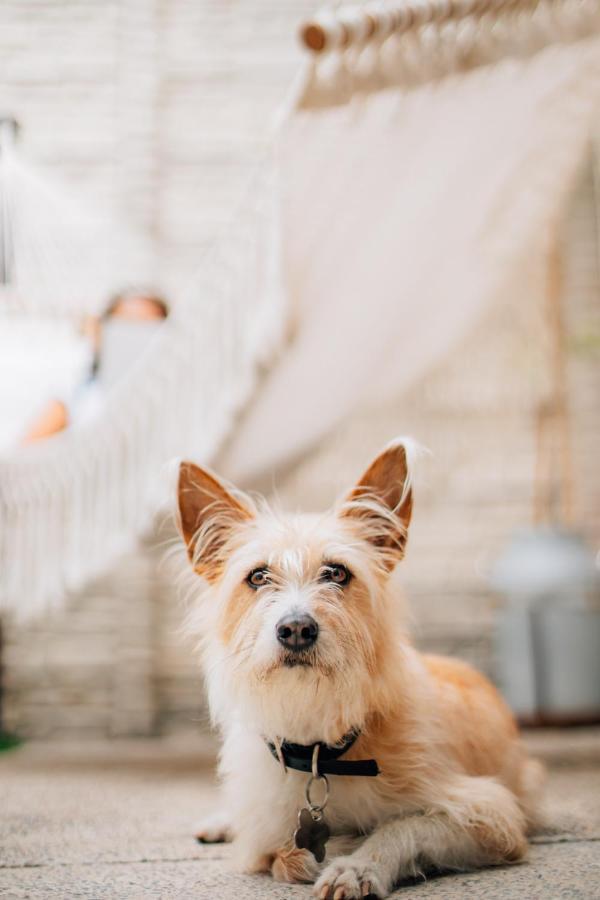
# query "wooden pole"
(554, 482)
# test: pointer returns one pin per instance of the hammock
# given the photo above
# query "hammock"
(72, 504)
(422, 169)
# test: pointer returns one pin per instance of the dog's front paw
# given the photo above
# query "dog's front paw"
(349, 879)
(293, 865)
(214, 830)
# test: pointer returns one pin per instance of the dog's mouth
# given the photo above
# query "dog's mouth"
(293, 660)
(304, 661)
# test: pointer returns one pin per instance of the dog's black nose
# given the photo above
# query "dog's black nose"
(297, 632)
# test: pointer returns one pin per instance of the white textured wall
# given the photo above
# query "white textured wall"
(155, 109)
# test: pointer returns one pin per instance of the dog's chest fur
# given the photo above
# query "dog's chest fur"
(256, 780)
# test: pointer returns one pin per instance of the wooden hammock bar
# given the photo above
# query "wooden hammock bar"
(357, 25)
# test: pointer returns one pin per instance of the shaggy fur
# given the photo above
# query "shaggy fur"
(456, 789)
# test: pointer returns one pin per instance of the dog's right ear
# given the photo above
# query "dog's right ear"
(382, 502)
(207, 513)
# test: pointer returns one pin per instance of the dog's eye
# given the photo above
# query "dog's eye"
(258, 577)
(335, 573)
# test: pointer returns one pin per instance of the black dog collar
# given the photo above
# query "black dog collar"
(300, 757)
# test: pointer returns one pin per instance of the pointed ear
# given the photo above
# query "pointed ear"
(382, 501)
(207, 514)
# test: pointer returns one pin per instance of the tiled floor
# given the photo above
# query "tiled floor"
(116, 820)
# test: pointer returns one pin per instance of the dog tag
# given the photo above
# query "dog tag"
(312, 833)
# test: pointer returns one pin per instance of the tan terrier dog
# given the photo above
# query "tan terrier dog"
(332, 723)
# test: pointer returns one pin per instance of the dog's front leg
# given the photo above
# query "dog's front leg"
(263, 824)
(478, 823)
(293, 865)
(260, 800)
(215, 828)
(370, 871)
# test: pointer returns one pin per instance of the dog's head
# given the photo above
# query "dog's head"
(296, 622)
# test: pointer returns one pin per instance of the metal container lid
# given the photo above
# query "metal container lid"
(550, 563)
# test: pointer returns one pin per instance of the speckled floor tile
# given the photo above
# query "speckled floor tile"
(116, 820)
(556, 872)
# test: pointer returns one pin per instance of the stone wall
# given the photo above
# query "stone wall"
(160, 108)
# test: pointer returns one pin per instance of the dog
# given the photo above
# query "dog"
(333, 725)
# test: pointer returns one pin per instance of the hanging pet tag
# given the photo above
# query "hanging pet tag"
(313, 832)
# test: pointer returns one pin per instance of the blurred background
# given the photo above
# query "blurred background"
(146, 131)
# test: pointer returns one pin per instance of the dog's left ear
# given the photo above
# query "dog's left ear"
(382, 502)
(207, 513)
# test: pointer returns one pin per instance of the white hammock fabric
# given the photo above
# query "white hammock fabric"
(411, 200)
(409, 212)
(71, 505)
